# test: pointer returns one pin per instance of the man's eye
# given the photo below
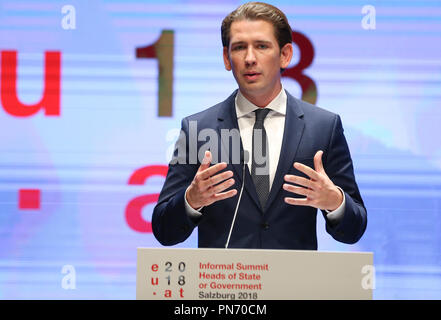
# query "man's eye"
(238, 48)
(262, 46)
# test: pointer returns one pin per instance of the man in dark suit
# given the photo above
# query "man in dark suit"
(299, 162)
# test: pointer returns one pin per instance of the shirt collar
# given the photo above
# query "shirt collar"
(245, 107)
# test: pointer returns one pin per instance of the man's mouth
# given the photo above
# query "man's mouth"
(251, 75)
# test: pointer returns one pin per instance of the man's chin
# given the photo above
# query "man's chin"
(254, 90)
(251, 87)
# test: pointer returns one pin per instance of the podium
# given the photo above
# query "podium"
(243, 274)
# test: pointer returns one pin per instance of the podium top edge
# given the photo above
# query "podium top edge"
(255, 250)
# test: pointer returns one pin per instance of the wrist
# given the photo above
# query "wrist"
(339, 199)
(189, 200)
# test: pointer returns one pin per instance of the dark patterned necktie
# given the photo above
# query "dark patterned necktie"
(260, 158)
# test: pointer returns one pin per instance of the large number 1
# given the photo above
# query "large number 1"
(162, 50)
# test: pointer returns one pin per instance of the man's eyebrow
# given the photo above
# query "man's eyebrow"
(263, 41)
(237, 42)
(256, 41)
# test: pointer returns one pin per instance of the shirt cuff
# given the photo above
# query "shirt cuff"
(336, 215)
(191, 213)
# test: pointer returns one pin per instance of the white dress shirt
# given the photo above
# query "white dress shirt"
(274, 124)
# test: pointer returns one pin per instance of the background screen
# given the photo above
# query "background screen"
(93, 93)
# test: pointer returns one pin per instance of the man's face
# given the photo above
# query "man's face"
(255, 58)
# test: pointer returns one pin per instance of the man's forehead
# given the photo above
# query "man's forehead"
(243, 30)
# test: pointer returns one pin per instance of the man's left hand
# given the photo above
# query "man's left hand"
(319, 191)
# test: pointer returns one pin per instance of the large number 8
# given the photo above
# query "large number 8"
(309, 89)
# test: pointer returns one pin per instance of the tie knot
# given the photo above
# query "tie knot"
(261, 113)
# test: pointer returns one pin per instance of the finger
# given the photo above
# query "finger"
(307, 183)
(298, 190)
(224, 195)
(299, 201)
(213, 180)
(318, 163)
(307, 170)
(221, 186)
(205, 162)
(207, 173)
(202, 179)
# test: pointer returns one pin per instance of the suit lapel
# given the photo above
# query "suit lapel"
(227, 120)
(292, 134)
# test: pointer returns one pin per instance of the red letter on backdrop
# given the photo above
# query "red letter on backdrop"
(50, 101)
(134, 207)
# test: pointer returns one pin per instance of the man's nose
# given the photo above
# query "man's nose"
(250, 58)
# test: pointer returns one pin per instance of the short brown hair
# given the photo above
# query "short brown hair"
(259, 11)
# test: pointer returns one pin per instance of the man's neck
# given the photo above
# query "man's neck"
(265, 99)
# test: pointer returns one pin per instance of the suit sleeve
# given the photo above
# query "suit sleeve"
(170, 222)
(339, 167)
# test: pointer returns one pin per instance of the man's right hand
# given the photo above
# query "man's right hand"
(207, 186)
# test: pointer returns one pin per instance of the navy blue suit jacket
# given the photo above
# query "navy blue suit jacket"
(279, 225)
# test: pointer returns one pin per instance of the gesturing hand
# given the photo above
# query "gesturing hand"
(319, 190)
(207, 187)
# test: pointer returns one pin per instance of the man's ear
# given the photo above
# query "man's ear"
(286, 55)
(226, 59)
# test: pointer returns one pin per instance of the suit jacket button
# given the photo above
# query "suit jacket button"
(265, 226)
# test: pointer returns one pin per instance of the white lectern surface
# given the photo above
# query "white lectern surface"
(180, 274)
